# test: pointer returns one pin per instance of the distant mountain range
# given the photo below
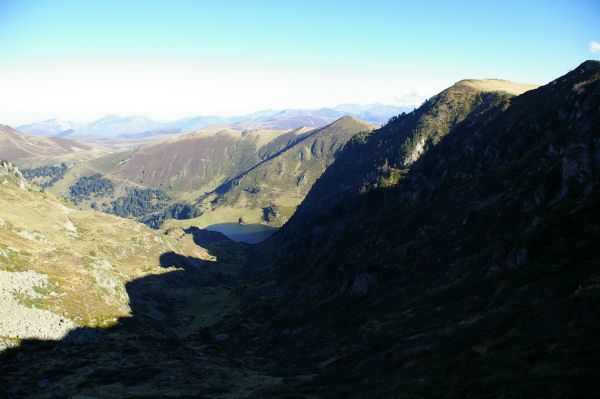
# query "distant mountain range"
(142, 126)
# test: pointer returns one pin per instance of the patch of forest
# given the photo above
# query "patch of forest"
(45, 176)
(87, 187)
(176, 211)
(139, 202)
(151, 207)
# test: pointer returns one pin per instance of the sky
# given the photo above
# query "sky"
(81, 60)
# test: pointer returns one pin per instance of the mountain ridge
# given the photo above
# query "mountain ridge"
(278, 183)
(389, 154)
(197, 175)
(470, 266)
(498, 85)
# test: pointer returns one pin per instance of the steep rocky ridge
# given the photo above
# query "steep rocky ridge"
(473, 272)
(381, 159)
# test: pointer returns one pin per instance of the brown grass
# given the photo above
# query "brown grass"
(499, 85)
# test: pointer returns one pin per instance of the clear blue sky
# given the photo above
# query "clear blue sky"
(80, 60)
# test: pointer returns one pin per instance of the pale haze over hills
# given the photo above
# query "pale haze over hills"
(136, 126)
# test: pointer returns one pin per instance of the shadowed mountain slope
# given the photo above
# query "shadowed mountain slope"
(451, 253)
(381, 158)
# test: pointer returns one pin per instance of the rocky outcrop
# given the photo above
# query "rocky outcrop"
(20, 314)
(8, 170)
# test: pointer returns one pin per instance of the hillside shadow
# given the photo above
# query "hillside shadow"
(226, 251)
(155, 352)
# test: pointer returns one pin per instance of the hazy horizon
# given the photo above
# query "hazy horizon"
(78, 61)
(224, 115)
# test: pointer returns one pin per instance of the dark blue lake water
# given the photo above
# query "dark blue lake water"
(249, 233)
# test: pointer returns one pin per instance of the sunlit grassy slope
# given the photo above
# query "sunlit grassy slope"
(86, 256)
(280, 183)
